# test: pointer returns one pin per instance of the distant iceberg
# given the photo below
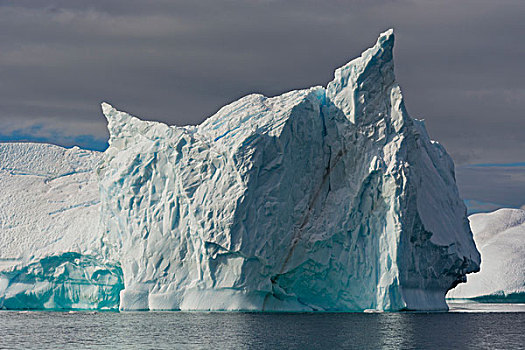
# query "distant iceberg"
(51, 244)
(328, 199)
(500, 236)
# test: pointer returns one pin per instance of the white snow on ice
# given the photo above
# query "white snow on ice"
(51, 252)
(500, 237)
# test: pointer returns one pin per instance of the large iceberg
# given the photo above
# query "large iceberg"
(329, 198)
(319, 199)
(500, 236)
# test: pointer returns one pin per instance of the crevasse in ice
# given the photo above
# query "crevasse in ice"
(319, 199)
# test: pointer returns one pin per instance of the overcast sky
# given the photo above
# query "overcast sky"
(460, 63)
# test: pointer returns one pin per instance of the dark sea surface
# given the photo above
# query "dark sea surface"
(467, 326)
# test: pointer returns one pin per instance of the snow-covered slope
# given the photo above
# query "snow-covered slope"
(50, 238)
(319, 199)
(500, 236)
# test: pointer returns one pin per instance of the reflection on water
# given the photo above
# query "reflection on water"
(472, 306)
(162, 330)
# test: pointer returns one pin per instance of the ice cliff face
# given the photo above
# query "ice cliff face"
(319, 199)
(500, 236)
(50, 239)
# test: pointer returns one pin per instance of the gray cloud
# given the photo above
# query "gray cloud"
(492, 186)
(460, 63)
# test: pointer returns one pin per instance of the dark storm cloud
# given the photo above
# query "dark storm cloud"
(460, 63)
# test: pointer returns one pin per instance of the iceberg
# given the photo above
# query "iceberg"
(329, 198)
(51, 253)
(500, 236)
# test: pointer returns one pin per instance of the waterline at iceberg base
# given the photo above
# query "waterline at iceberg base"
(324, 199)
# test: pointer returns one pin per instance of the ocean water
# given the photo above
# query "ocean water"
(467, 326)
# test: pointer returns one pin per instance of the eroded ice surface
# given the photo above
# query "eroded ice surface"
(500, 237)
(51, 253)
(319, 199)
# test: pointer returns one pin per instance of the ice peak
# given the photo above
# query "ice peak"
(364, 80)
(120, 124)
(381, 52)
(113, 115)
(107, 109)
(386, 39)
(382, 49)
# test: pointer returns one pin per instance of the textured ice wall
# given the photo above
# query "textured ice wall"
(319, 199)
(51, 253)
(500, 236)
